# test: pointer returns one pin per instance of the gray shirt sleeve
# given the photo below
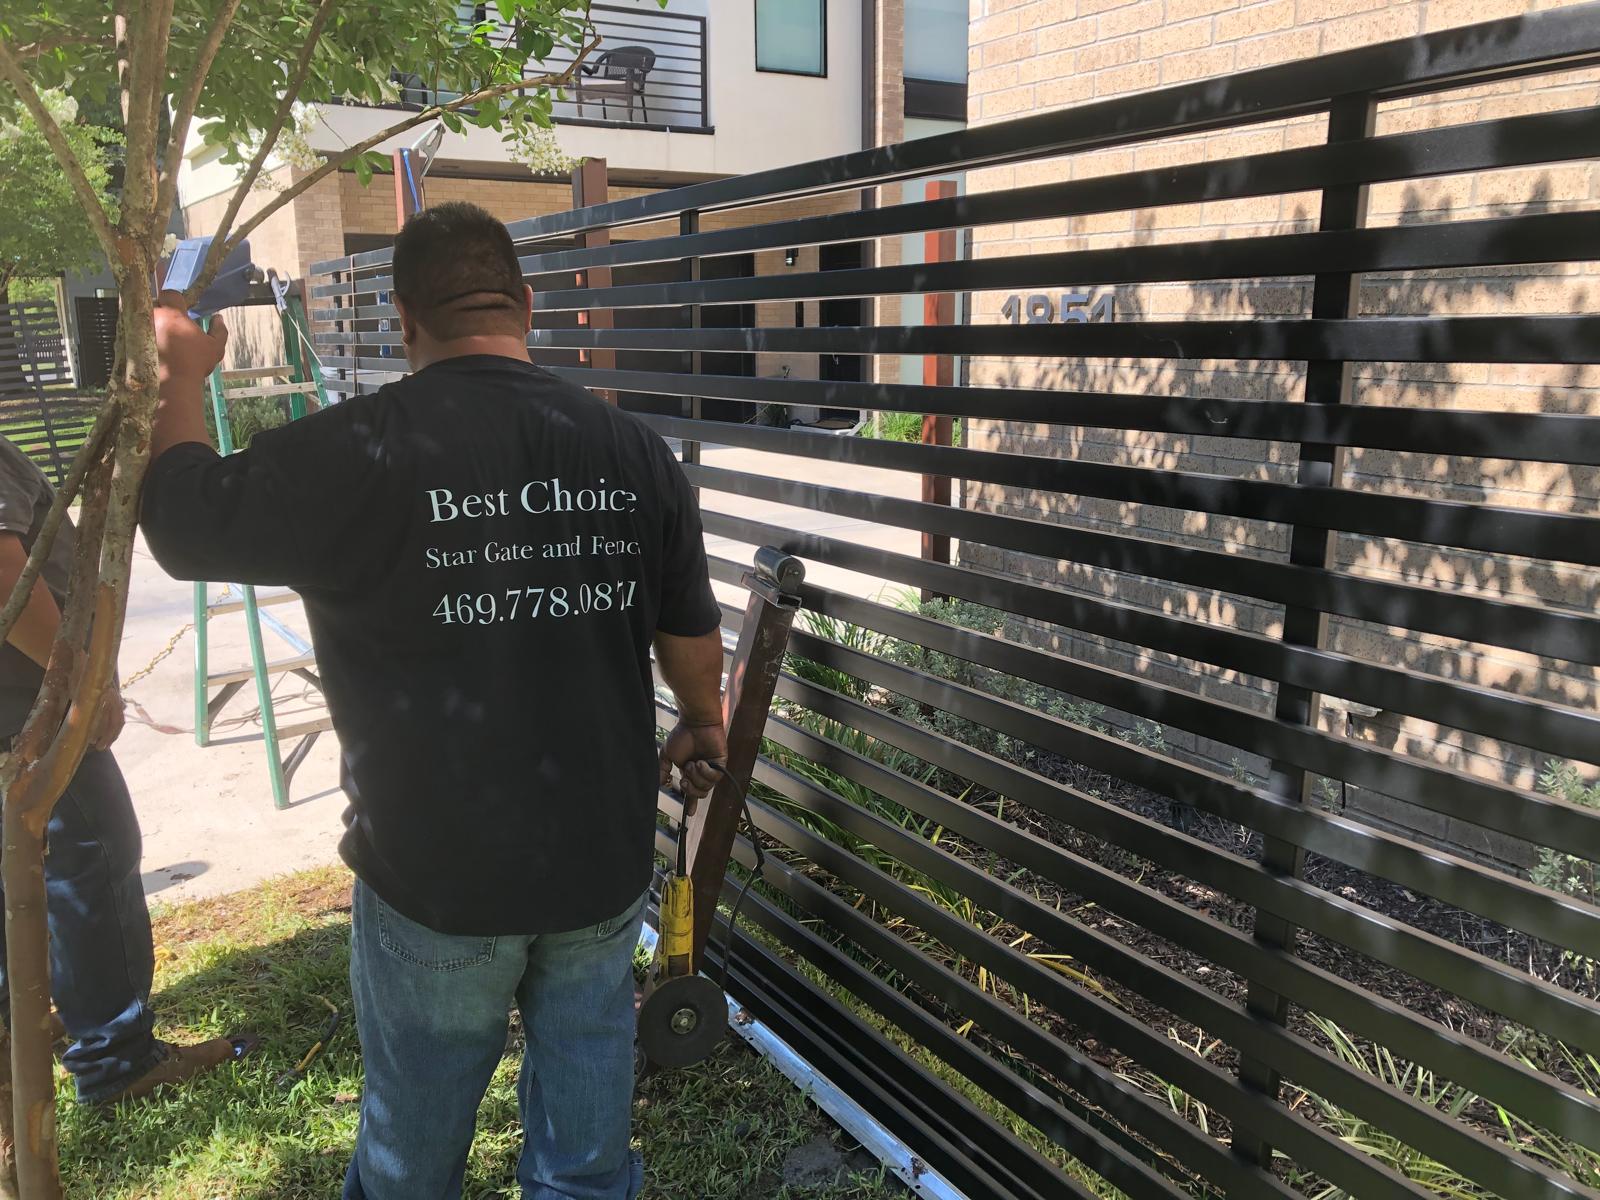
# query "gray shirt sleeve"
(19, 491)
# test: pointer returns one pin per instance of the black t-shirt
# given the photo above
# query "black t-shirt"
(485, 553)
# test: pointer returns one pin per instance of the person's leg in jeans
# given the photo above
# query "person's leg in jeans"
(576, 1088)
(101, 958)
(432, 1010)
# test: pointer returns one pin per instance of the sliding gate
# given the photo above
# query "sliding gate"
(1197, 799)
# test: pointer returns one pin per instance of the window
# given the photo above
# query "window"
(936, 40)
(792, 36)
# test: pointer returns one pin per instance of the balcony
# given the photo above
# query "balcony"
(649, 72)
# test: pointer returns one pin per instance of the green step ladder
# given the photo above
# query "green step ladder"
(297, 381)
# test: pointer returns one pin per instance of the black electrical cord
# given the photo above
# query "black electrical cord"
(744, 890)
(749, 825)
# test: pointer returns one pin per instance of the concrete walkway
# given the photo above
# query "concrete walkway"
(209, 825)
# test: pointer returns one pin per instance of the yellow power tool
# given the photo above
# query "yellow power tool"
(683, 1014)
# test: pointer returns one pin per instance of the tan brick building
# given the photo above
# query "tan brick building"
(1034, 55)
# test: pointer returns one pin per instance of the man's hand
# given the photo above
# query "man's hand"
(692, 749)
(188, 353)
(108, 720)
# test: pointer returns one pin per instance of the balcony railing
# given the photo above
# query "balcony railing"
(649, 72)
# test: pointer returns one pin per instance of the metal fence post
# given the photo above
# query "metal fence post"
(774, 599)
(1335, 295)
(938, 370)
(688, 224)
(591, 186)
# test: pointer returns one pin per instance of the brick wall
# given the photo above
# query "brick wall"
(1034, 55)
(255, 335)
(889, 128)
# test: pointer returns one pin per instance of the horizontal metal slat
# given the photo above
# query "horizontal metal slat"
(1094, 1139)
(1362, 763)
(1186, 1143)
(1562, 537)
(1452, 879)
(1538, 630)
(1415, 1123)
(1190, 1146)
(1488, 1072)
(1466, 885)
(882, 1080)
(1515, 141)
(1550, 437)
(1099, 1018)
(1450, 703)
(1359, 339)
(1484, 981)
(1555, 237)
(959, 1140)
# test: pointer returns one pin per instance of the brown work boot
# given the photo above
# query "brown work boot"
(60, 1039)
(178, 1064)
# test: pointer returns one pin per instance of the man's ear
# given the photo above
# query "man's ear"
(528, 300)
(408, 322)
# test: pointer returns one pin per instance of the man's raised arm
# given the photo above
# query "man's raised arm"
(188, 356)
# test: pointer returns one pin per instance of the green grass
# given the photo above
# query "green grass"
(903, 427)
(260, 960)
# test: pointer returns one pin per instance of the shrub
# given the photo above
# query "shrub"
(1558, 870)
(247, 417)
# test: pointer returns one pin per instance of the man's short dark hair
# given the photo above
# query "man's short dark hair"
(456, 271)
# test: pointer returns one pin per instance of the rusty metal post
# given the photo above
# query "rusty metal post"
(938, 370)
(590, 186)
(774, 599)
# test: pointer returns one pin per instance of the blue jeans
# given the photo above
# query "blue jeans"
(101, 959)
(432, 1010)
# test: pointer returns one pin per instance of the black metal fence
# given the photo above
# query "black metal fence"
(41, 411)
(1055, 955)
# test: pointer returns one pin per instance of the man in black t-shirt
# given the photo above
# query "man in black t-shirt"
(487, 555)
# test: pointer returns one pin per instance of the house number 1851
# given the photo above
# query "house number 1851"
(1040, 309)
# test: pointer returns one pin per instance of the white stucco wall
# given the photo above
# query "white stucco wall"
(761, 119)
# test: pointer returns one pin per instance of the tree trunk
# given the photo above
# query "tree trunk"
(8, 1127)
(28, 969)
(52, 745)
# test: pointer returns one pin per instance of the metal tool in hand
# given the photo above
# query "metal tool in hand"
(234, 283)
(683, 1014)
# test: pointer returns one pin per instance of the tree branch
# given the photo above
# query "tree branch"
(50, 707)
(65, 494)
(47, 45)
(13, 74)
(91, 617)
(183, 115)
(119, 25)
(220, 249)
(145, 93)
(158, 109)
(269, 139)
